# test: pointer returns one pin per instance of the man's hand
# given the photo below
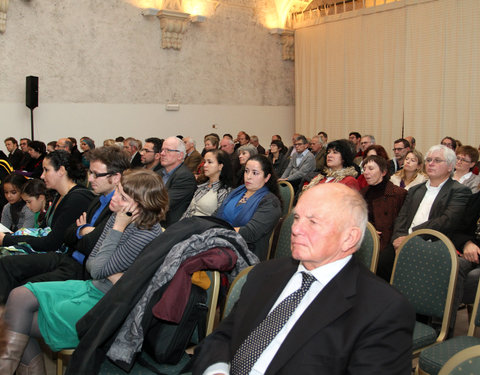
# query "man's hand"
(397, 242)
(2, 235)
(82, 220)
(471, 252)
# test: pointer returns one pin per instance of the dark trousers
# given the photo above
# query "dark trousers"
(16, 270)
(385, 262)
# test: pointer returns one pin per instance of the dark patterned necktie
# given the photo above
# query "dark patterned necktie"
(254, 345)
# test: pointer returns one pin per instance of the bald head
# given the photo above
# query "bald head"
(329, 222)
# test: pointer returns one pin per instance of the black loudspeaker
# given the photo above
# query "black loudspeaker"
(31, 97)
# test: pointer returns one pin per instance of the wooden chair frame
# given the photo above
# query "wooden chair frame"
(471, 332)
(241, 275)
(452, 282)
(292, 196)
(459, 358)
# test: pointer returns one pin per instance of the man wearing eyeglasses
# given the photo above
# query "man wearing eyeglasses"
(177, 178)
(436, 204)
(150, 154)
(106, 167)
(301, 163)
(401, 147)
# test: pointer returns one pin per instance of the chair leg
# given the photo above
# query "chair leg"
(59, 363)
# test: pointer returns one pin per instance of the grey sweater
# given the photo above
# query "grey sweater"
(115, 251)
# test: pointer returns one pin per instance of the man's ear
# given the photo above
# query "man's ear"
(351, 238)
(116, 178)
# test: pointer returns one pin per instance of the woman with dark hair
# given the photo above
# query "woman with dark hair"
(384, 199)
(277, 157)
(371, 150)
(37, 199)
(86, 144)
(211, 143)
(50, 310)
(467, 157)
(37, 151)
(376, 150)
(15, 213)
(254, 208)
(209, 196)
(61, 174)
(340, 167)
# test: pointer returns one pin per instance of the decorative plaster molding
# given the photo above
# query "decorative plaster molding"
(288, 42)
(173, 24)
(3, 15)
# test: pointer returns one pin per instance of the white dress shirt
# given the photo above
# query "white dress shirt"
(323, 275)
(423, 211)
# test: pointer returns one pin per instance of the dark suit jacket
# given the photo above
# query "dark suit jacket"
(358, 325)
(445, 214)
(468, 224)
(15, 158)
(136, 161)
(193, 160)
(181, 186)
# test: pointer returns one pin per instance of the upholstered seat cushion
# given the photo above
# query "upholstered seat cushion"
(432, 359)
(423, 335)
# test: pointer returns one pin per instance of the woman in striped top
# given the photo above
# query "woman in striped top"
(50, 310)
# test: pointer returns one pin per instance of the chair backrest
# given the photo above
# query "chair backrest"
(282, 248)
(425, 272)
(466, 361)
(287, 194)
(234, 291)
(212, 299)
(475, 320)
(369, 250)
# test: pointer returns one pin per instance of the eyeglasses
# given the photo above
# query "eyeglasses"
(169, 150)
(434, 161)
(299, 144)
(98, 175)
(144, 150)
(398, 149)
(463, 160)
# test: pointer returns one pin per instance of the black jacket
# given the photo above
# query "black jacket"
(98, 327)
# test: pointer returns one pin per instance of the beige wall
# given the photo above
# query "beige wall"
(103, 73)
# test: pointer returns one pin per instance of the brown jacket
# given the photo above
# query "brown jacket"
(385, 210)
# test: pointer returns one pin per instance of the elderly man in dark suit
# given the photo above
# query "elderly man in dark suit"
(178, 179)
(193, 157)
(436, 204)
(322, 312)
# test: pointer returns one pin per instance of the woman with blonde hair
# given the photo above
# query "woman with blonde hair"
(412, 173)
(50, 310)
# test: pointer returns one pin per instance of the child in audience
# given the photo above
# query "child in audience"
(34, 193)
(50, 310)
(15, 213)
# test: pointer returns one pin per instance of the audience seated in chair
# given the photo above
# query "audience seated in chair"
(436, 204)
(51, 310)
(106, 167)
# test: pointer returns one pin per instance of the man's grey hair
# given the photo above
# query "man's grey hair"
(319, 139)
(448, 154)
(372, 138)
(191, 140)
(254, 138)
(229, 140)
